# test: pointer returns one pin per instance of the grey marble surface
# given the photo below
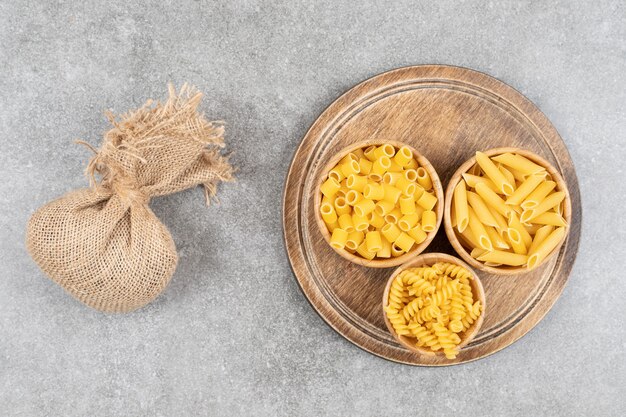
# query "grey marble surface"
(233, 334)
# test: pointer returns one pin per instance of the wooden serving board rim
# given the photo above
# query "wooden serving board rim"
(529, 314)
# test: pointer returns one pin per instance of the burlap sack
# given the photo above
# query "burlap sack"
(103, 244)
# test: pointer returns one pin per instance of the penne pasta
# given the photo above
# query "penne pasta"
(507, 174)
(476, 252)
(494, 174)
(503, 258)
(496, 240)
(461, 206)
(542, 233)
(515, 223)
(519, 163)
(481, 209)
(478, 231)
(549, 203)
(472, 180)
(538, 195)
(550, 218)
(545, 248)
(524, 190)
(492, 199)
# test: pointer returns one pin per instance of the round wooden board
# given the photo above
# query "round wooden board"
(447, 113)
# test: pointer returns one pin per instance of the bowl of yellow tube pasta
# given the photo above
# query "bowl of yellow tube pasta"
(507, 211)
(379, 203)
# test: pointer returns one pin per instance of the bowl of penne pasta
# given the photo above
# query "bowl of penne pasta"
(507, 211)
(434, 304)
(379, 203)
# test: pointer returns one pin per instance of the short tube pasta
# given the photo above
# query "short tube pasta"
(378, 202)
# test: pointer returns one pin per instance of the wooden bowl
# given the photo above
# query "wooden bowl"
(429, 259)
(452, 234)
(416, 250)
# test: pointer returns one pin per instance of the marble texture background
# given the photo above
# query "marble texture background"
(233, 334)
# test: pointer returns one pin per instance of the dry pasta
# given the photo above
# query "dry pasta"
(433, 306)
(507, 211)
(377, 202)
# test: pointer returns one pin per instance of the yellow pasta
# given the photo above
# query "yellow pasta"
(433, 306)
(404, 242)
(494, 174)
(423, 179)
(328, 213)
(373, 241)
(360, 223)
(354, 240)
(481, 209)
(341, 207)
(339, 238)
(524, 190)
(345, 222)
(384, 207)
(460, 206)
(381, 165)
(503, 258)
(364, 207)
(407, 205)
(519, 163)
(538, 194)
(429, 221)
(390, 231)
(403, 156)
(356, 182)
(377, 202)
(541, 234)
(365, 166)
(521, 231)
(544, 248)
(374, 191)
(330, 187)
(418, 234)
(385, 250)
(376, 220)
(427, 201)
(408, 221)
(478, 230)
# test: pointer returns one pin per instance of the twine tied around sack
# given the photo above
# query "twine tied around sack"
(103, 244)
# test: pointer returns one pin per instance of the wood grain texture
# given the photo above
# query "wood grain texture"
(417, 249)
(447, 113)
(452, 234)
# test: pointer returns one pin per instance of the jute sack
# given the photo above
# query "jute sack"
(103, 244)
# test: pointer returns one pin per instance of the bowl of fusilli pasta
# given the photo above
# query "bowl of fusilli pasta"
(434, 305)
(379, 204)
(507, 211)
